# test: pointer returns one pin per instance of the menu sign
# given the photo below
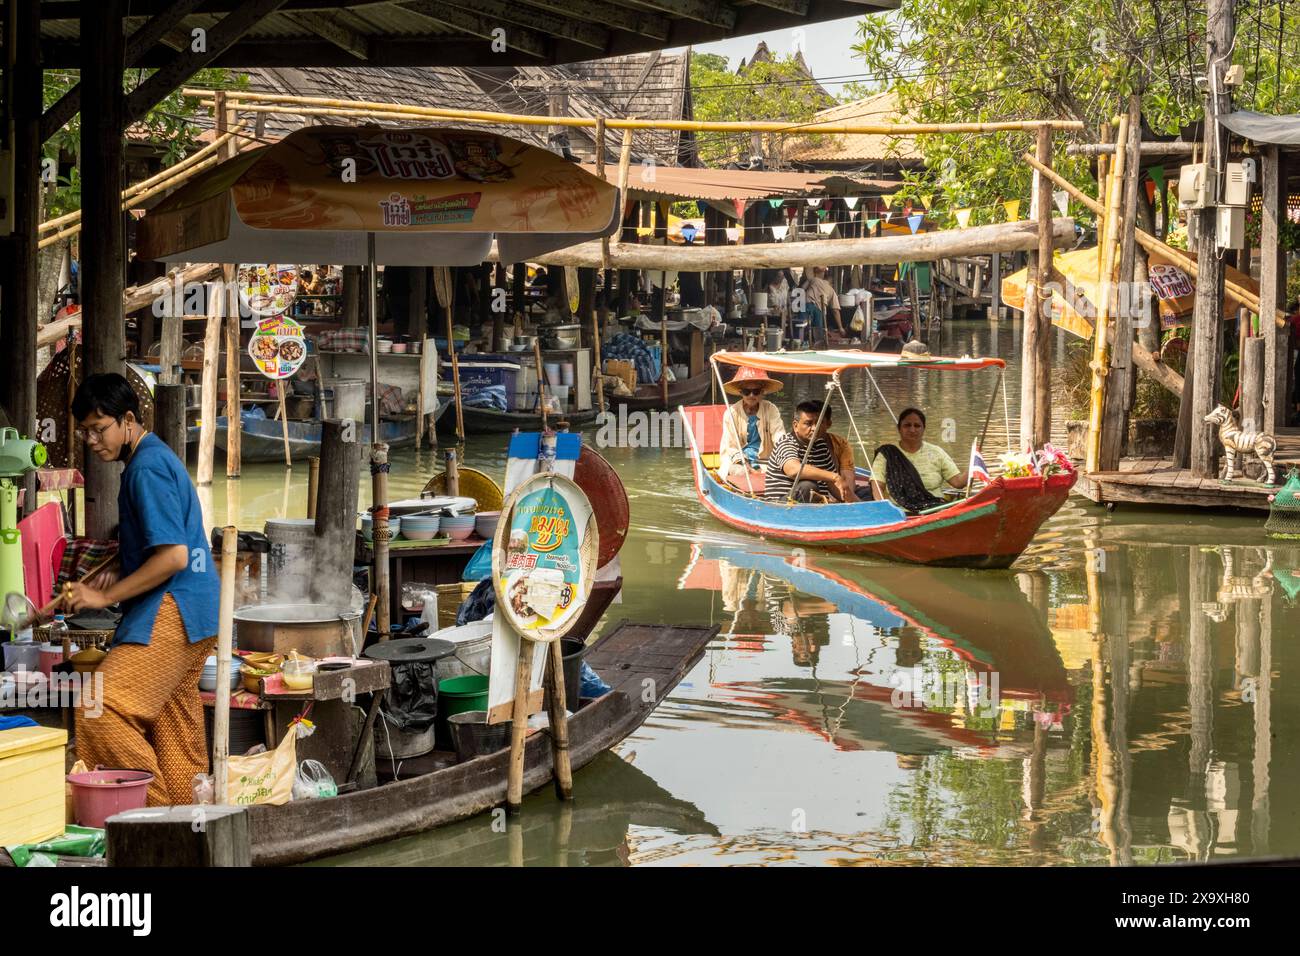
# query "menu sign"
(277, 347)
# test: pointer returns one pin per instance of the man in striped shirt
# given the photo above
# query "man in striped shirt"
(814, 482)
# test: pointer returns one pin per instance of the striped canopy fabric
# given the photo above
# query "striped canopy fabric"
(836, 360)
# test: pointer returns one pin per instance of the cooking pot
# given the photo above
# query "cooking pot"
(314, 630)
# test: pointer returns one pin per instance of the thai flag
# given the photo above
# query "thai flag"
(977, 467)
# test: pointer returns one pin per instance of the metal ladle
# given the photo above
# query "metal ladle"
(14, 614)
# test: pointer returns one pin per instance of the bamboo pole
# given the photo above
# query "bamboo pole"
(541, 382)
(164, 177)
(519, 726)
(234, 387)
(208, 389)
(604, 256)
(1239, 294)
(370, 108)
(557, 715)
(977, 240)
(225, 642)
(444, 288)
(313, 485)
(284, 423)
(1114, 195)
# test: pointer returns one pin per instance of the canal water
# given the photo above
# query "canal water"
(1126, 694)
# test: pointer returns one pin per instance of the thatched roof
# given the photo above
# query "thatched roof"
(649, 86)
(856, 149)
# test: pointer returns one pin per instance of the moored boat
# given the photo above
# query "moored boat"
(987, 529)
(263, 439)
(650, 397)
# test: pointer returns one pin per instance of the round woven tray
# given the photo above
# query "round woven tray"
(83, 639)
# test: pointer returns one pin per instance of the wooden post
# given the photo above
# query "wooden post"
(225, 643)
(1105, 297)
(541, 382)
(208, 388)
(1119, 382)
(103, 255)
(1253, 386)
(170, 347)
(234, 424)
(169, 416)
(453, 473)
(995, 290)
(519, 727)
(445, 287)
(284, 421)
(168, 837)
(21, 305)
(499, 314)
(313, 485)
(559, 721)
(1272, 283)
(336, 509)
(417, 304)
(380, 534)
(351, 296)
(1207, 315)
(1042, 425)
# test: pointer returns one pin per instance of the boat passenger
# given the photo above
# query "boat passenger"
(914, 471)
(814, 481)
(151, 717)
(750, 429)
(843, 454)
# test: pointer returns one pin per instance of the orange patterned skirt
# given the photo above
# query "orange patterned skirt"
(152, 715)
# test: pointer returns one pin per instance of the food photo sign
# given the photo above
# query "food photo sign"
(277, 347)
(544, 559)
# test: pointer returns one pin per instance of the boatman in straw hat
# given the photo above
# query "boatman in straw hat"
(750, 429)
(152, 717)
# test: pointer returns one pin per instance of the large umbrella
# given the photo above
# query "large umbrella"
(1073, 306)
(362, 195)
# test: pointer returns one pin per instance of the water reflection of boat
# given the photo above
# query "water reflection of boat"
(984, 619)
(592, 831)
(262, 439)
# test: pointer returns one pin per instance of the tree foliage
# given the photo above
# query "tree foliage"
(168, 127)
(989, 60)
(772, 88)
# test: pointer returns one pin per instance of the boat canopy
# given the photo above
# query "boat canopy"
(832, 361)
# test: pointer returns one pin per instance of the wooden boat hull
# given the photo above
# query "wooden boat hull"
(632, 659)
(485, 420)
(263, 441)
(650, 397)
(990, 529)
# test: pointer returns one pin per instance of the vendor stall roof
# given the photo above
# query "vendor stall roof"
(748, 185)
(1265, 127)
(299, 33)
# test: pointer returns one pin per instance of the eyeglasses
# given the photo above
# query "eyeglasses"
(751, 391)
(94, 434)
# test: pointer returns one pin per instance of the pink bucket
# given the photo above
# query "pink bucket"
(99, 794)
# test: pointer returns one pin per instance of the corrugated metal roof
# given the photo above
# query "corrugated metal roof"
(856, 147)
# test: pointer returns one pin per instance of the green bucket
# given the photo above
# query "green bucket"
(456, 695)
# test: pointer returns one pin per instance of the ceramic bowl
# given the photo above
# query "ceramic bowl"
(399, 348)
(298, 675)
(208, 678)
(485, 523)
(420, 527)
(367, 530)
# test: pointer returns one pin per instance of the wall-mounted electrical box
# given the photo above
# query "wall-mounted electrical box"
(1230, 230)
(1236, 185)
(1194, 186)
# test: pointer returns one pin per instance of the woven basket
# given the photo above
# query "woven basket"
(624, 370)
(83, 639)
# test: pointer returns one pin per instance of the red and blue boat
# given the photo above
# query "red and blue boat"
(989, 528)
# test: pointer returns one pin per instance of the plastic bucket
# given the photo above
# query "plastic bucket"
(571, 649)
(456, 695)
(52, 656)
(552, 370)
(473, 649)
(566, 373)
(473, 736)
(99, 794)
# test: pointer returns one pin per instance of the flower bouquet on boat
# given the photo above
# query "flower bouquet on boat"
(913, 504)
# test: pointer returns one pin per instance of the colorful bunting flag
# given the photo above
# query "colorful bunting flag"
(914, 222)
(928, 201)
(826, 228)
(963, 218)
(823, 213)
(740, 209)
(888, 200)
(775, 203)
(872, 224)
(889, 214)
(779, 233)
(1158, 176)
(1012, 208)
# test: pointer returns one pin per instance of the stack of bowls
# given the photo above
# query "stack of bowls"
(459, 527)
(208, 679)
(383, 346)
(485, 523)
(367, 529)
(420, 527)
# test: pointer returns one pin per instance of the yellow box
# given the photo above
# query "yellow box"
(32, 782)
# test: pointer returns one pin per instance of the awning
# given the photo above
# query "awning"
(836, 360)
(1264, 127)
(672, 183)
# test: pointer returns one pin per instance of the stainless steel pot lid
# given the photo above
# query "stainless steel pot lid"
(294, 614)
(411, 650)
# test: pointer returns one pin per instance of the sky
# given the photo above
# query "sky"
(827, 49)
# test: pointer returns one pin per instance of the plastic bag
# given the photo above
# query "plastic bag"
(313, 782)
(75, 841)
(858, 322)
(264, 777)
(203, 789)
(480, 565)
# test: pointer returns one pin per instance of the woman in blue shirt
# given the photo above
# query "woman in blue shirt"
(152, 716)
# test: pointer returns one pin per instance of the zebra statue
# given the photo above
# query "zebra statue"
(1235, 440)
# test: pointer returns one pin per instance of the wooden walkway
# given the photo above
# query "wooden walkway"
(1155, 481)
